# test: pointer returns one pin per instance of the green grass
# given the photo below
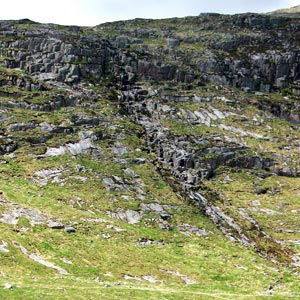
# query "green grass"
(69, 288)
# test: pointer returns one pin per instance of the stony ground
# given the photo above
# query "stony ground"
(150, 159)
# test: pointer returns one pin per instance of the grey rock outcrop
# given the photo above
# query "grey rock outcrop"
(81, 147)
(52, 55)
(129, 216)
(3, 247)
(56, 57)
(20, 126)
(178, 156)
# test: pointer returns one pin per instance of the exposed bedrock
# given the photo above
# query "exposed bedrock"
(185, 161)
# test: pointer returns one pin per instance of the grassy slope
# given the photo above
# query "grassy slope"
(221, 269)
(294, 9)
(218, 266)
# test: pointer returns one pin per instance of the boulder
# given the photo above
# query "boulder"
(20, 126)
(69, 229)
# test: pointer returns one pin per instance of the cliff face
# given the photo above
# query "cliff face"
(50, 54)
(141, 120)
(255, 52)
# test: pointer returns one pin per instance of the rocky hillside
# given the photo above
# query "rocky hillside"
(154, 158)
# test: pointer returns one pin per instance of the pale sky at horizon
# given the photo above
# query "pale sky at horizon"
(94, 12)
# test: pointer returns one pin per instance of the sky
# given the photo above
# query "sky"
(94, 12)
